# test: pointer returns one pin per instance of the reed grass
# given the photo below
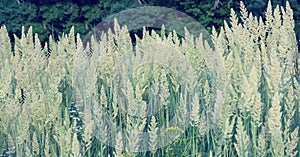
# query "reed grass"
(50, 106)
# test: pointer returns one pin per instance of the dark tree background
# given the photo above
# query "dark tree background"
(53, 17)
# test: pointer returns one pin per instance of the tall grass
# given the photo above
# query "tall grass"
(104, 106)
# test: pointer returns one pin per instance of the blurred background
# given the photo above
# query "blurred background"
(53, 17)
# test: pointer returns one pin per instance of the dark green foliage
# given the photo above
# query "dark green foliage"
(55, 17)
(203, 12)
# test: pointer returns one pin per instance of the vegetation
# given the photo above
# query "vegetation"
(53, 17)
(99, 99)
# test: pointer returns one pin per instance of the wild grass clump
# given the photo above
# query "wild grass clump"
(71, 98)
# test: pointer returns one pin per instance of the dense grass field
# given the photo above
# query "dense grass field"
(164, 95)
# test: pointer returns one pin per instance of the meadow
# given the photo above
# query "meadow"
(172, 97)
